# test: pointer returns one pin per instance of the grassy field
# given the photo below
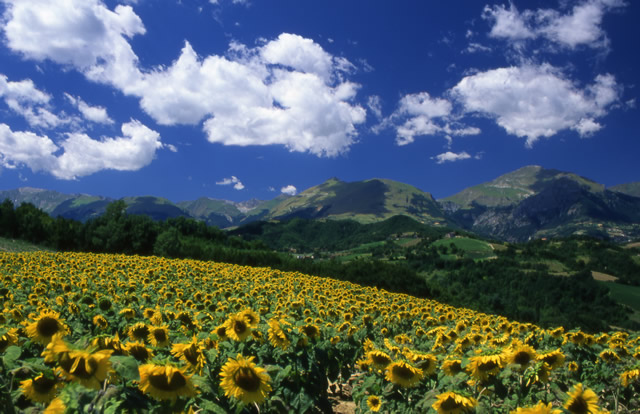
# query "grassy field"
(9, 245)
(472, 248)
(627, 295)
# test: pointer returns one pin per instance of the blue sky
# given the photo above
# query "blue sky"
(248, 99)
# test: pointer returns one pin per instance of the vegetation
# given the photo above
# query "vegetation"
(544, 282)
(114, 333)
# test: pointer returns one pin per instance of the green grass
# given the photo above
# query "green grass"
(472, 248)
(9, 245)
(626, 295)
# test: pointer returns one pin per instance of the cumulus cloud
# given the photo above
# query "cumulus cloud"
(96, 114)
(451, 157)
(580, 26)
(420, 114)
(80, 154)
(237, 184)
(289, 190)
(536, 101)
(23, 98)
(287, 91)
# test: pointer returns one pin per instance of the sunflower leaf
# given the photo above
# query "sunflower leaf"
(11, 355)
(126, 367)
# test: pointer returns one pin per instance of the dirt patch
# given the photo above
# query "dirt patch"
(603, 277)
(632, 245)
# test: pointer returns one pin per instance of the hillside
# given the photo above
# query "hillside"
(533, 202)
(632, 189)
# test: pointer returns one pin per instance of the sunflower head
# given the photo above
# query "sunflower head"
(452, 367)
(403, 374)
(237, 327)
(374, 403)
(139, 351)
(582, 401)
(138, 332)
(540, 408)
(8, 338)
(453, 403)
(165, 382)
(555, 358)
(521, 356)
(192, 354)
(45, 326)
(84, 367)
(242, 379)
(41, 389)
(158, 336)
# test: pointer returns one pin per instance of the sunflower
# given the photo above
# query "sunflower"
(540, 408)
(41, 389)
(139, 351)
(573, 366)
(453, 403)
(108, 342)
(128, 313)
(165, 382)
(539, 372)
(242, 379)
(426, 362)
(374, 403)
(582, 401)
(311, 330)
(277, 335)
(628, 377)
(138, 332)
(522, 356)
(481, 367)
(555, 358)
(56, 406)
(221, 332)
(237, 327)
(192, 353)
(84, 367)
(378, 359)
(8, 338)
(46, 325)
(403, 374)
(452, 367)
(101, 322)
(252, 318)
(158, 335)
(609, 356)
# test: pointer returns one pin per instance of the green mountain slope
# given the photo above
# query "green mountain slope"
(364, 201)
(632, 189)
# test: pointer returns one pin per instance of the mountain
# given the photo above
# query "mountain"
(632, 189)
(364, 201)
(534, 202)
(531, 202)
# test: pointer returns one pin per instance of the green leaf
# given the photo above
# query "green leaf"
(126, 367)
(211, 407)
(284, 373)
(11, 355)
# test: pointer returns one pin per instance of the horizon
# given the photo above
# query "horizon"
(237, 100)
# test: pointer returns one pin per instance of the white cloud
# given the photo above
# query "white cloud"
(536, 101)
(288, 91)
(374, 103)
(289, 190)
(419, 114)
(96, 114)
(237, 184)
(23, 98)
(81, 155)
(580, 26)
(476, 47)
(81, 33)
(451, 157)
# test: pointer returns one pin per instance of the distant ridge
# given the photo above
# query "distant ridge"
(531, 202)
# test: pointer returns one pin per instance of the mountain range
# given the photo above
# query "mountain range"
(531, 202)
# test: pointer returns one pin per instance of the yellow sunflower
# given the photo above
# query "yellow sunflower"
(483, 366)
(403, 374)
(138, 332)
(56, 406)
(426, 362)
(453, 403)
(452, 367)
(555, 359)
(374, 403)
(237, 327)
(378, 359)
(101, 322)
(41, 389)
(139, 351)
(252, 318)
(582, 401)
(221, 332)
(277, 335)
(46, 325)
(609, 356)
(165, 382)
(521, 356)
(192, 353)
(86, 368)
(540, 408)
(311, 330)
(158, 336)
(8, 338)
(630, 376)
(242, 379)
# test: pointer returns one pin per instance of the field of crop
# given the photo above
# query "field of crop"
(115, 333)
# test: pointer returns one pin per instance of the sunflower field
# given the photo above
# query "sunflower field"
(90, 333)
